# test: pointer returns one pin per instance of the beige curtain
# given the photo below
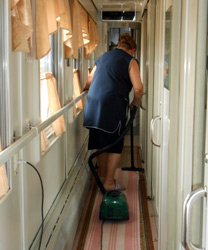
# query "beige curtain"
(50, 14)
(21, 14)
(44, 142)
(4, 185)
(66, 24)
(80, 30)
(93, 33)
(84, 32)
(84, 27)
(54, 105)
(42, 29)
(65, 16)
(76, 92)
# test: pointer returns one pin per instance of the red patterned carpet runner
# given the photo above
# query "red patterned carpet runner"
(125, 235)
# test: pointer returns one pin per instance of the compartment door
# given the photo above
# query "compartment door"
(195, 162)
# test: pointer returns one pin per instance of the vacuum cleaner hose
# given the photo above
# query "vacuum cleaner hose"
(133, 110)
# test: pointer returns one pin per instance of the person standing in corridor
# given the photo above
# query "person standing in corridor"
(105, 115)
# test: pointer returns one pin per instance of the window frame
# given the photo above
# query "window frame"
(77, 82)
(51, 55)
(48, 141)
(5, 119)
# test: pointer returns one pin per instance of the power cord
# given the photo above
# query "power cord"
(42, 201)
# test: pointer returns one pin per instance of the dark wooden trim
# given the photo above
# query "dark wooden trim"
(84, 222)
(145, 211)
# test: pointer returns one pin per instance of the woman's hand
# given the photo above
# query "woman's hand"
(89, 79)
(86, 88)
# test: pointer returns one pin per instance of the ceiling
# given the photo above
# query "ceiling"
(121, 5)
(96, 6)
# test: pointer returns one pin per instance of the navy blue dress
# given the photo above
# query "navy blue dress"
(107, 103)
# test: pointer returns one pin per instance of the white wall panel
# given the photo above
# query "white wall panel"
(10, 205)
(71, 215)
(52, 170)
(76, 136)
(10, 219)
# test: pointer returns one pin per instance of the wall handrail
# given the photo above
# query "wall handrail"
(15, 147)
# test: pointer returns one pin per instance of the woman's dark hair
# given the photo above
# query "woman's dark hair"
(126, 41)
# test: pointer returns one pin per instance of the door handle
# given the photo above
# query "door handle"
(152, 123)
(188, 203)
(206, 158)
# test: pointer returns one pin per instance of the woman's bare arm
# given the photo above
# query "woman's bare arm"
(89, 79)
(134, 74)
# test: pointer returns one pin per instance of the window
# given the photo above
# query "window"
(77, 83)
(167, 58)
(49, 105)
(47, 62)
(76, 92)
(50, 102)
(4, 183)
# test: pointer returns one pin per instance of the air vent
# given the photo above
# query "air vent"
(118, 15)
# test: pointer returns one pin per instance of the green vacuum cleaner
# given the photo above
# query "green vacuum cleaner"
(114, 205)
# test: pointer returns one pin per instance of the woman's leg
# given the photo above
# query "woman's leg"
(113, 161)
(102, 165)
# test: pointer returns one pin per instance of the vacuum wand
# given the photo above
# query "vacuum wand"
(132, 168)
(102, 150)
